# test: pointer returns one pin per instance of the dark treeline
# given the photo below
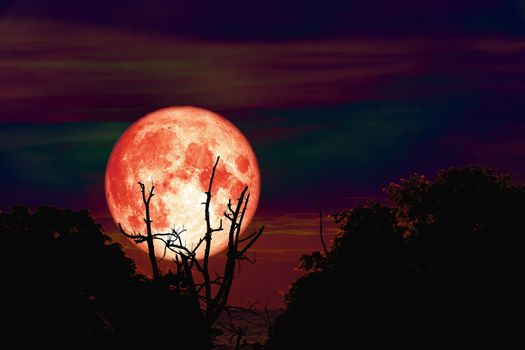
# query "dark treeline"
(65, 282)
(437, 264)
(67, 279)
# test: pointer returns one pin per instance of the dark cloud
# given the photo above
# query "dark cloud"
(323, 115)
(278, 20)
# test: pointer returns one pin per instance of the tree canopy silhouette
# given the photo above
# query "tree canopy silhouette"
(438, 261)
(66, 280)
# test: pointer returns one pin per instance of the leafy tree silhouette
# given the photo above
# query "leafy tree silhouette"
(462, 225)
(438, 263)
(64, 280)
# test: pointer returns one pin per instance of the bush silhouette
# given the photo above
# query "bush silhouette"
(66, 280)
(438, 263)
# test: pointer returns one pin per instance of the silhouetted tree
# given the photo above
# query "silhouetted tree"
(215, 303)
(64, 280)
(438, 263)
(211, 293)
(148, 238)
(463, 225)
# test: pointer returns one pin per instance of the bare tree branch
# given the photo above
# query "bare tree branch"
(207, 238)
(138, 238)
(211, 294)
(252, 240)
(148, 238)
(321, 231)
(232, 254)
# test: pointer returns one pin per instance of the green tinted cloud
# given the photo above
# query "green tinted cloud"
(68, 154)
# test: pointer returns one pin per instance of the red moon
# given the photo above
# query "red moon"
(175, 149)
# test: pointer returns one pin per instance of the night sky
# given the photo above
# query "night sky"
(338, 98)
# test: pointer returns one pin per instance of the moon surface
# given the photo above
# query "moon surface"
(175, 148)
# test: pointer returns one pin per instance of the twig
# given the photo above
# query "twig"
(321, 231)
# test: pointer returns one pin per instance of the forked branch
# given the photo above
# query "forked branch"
(210, 293)
(148, 238)
(214, 303)
(321, 235)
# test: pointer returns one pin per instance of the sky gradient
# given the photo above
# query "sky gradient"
(337, 100)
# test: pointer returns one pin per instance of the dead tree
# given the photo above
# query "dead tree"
(149, 237)
(211, 294)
